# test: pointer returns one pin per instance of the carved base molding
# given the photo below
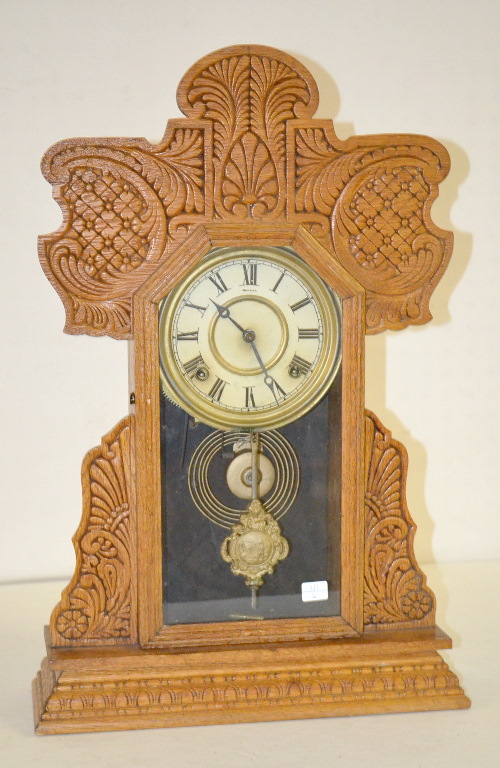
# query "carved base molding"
(100, 690)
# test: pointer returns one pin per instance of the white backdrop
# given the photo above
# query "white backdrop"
(111, 68)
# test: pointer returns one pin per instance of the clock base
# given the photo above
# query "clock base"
(118, 689)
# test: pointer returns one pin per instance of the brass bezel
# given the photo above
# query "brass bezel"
(178, 389)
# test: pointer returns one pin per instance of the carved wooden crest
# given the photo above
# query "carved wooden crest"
(248, 150)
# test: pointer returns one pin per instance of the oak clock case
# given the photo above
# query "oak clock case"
(250, 344)
(244, 258)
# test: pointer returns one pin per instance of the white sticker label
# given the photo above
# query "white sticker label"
(314, 590)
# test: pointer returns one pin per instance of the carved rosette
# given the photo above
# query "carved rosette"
(395, 591)
(98, 606)
(248, 150)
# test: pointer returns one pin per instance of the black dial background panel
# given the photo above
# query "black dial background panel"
(198, 585)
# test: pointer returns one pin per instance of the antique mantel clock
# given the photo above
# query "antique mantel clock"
(245, 551)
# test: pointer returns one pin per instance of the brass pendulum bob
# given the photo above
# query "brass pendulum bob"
(255, 545)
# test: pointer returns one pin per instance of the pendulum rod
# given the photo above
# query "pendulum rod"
(255, 465)
(255, 492)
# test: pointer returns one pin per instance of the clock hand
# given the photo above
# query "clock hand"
(267, 378)
(249, 337)
(224, 313)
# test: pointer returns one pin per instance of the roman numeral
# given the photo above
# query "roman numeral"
(308, 333)
(187, 336)
(300, 304)
(279, 281)
(302, 365)
(218, 282)
(250, 271)
(217, 390)
(249, 398)
(192, 365)
(194, 306)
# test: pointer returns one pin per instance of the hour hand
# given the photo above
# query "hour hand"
(224, 313)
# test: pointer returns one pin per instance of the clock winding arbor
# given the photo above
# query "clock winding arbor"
(247, 168)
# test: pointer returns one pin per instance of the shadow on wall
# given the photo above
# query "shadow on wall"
(329, 96)
(376, 347)
(376, 351)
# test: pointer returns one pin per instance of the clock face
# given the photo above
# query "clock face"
(250, 338)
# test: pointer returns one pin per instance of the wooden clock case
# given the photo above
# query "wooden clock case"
(247, 165)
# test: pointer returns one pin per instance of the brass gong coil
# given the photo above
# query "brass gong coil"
(275, 447)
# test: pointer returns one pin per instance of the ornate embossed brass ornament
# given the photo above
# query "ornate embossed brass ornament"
(255, 545)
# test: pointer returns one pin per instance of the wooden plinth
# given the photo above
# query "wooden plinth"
(100, 690)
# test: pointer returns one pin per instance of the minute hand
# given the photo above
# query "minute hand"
(225, 314)
(267, 378)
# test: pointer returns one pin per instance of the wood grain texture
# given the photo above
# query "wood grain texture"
(247, 151)
(248, 164)
(152, 633)
(98, 606)
(391, 672)
(395, 590)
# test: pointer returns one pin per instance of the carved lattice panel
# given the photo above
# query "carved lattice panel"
(248, 150)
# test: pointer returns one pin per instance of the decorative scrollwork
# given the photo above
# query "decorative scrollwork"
(381, 233)
(118, 200)
(97, 606)
(318, 182)
(249, 94)
(395, 589)
(378, 195)
(247, 151)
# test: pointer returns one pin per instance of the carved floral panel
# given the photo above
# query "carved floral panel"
(395, 591)
(248, 150)
(125, 204)
(98, 606)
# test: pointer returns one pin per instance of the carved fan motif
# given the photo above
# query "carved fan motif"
(98, 605)
(395, 589)
(249, 99)
(248, 150)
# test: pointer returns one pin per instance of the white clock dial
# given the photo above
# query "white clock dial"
(250, 338)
